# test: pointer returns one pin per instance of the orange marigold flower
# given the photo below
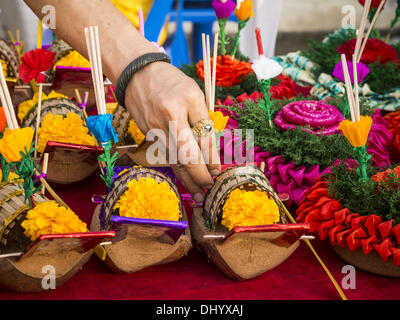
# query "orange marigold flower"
(356, 132)
(14, 142)
(244, 10)
(380, 176)
(249, 208)
(135, 132)
(228, 74)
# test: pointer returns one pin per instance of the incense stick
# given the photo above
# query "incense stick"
(214, 70)
(378, 11)
(205, 68)
(355, 90)
(361, 30)
(349, 89)
(210, 103)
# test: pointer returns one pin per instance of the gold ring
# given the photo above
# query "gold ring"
(203, 128)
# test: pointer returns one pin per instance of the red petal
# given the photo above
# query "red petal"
(371, 223)
(324, 228)
(383, 249)
(358, 222)
(341, 237)
(329, 208)
(367, 244)
(385, 229)
(396, 256)
(333, 231)
(349, 218)
(340, 216)
(396, 232)
(352, 242)
(40, 78)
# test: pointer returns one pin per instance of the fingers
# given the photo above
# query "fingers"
(208, 146)
(183, 176)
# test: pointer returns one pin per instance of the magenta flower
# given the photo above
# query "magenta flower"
(362, 71)
(223, 8)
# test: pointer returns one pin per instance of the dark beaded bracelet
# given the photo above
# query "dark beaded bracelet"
(136, 65)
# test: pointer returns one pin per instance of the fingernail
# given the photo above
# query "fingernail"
(198, 197)
(215, 172)
(208, 187)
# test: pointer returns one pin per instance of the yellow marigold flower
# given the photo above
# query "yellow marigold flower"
(4, 66)
(219, 120)
(11, 177)
(111, 107)
(145, 198)
(244, 10)
(50, 218)
(68, 129)
(356, 132)
(26, 106)
(135, 133)
(249, 208)
(73, 59)
(14, 142)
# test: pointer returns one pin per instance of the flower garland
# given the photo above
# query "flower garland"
(60, 128)
(146, 198)
(26, 106)
(50, 218)
(249, 208)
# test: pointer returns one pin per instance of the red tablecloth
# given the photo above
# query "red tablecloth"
(299, 277)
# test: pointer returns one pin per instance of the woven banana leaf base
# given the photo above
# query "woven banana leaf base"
(143, 246)
(371, 262)
(139, 251)
(246, 255)
(26, 275)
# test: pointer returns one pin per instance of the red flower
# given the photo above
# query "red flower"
(375, 50)
(394, 127)
(34, 64)
(374, 3)
(228, 74)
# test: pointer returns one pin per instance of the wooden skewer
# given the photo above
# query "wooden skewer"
(10, 35)
(45, 165)
(7, 102)
(38, 116)
(378, 11)
(355, 90)
(349, 89)
(78, 96)
(262, 166)
(361, 30)
(214, 70)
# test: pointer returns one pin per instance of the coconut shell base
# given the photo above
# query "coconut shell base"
(25, 276)
(139, 251)
(243, 256)
(371, 262)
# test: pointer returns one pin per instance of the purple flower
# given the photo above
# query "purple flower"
(223, 8)
(362, 71)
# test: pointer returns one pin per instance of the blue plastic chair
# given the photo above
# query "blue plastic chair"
(200, 13)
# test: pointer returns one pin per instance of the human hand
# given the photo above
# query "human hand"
(161, 93)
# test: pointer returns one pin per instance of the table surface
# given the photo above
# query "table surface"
(192, 277)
